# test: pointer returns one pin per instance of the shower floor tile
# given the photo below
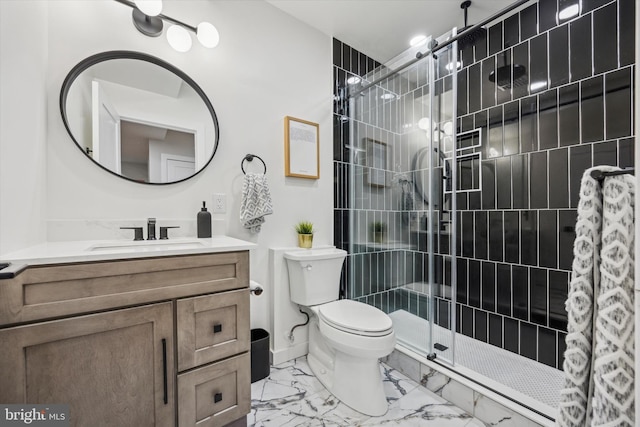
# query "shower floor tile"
(292, 396)
(531, 378)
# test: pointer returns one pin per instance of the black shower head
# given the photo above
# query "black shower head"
(503, 75)
(472, 36)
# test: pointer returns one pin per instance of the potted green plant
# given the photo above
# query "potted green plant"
(379, 231)
(305, 234)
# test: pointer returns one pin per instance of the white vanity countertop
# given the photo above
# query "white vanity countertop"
(101, 250)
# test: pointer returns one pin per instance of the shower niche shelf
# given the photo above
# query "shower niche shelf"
(468, 162)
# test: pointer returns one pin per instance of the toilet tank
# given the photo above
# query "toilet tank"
(314, 275)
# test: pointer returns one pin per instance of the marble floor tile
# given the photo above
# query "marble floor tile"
(497, 415)
(475, 423)
(286, 384)
(325, 408)
(291, 396)
(421, 408)
(395, 383)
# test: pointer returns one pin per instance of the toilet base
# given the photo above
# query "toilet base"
(355, 381)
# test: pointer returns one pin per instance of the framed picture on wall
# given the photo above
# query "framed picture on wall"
(301, 148)
(376, 162)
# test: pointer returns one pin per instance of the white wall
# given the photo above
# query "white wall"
(23, 101)
(268, 65)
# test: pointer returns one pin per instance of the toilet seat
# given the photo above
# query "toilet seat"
(355, 318)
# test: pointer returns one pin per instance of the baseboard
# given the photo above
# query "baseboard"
(289, 353)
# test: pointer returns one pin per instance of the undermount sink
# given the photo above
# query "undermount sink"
(146, 246)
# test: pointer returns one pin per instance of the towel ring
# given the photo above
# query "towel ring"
(249, 158)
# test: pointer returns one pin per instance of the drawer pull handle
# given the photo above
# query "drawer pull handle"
(217, 328)
(164, 371)
(217, 397)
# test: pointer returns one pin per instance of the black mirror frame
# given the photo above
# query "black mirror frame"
(125, 54)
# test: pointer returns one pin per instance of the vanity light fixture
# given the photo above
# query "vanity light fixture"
(149, 20)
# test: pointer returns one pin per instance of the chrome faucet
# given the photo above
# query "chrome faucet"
(151, 229)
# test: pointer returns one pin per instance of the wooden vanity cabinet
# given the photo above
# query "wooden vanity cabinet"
(102, 338)
(115, 366)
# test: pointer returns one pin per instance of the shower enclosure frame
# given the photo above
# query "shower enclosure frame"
(445, 50)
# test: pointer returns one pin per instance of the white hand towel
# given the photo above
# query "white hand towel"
(256, 201)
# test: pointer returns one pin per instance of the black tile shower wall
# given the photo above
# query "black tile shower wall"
(512, 30)
(569, 114)
(571, 109)
(538, 59)
(559, 56)
(605, 44)
(580, 48)
(548, 118)
(548, 10)
(618, 101)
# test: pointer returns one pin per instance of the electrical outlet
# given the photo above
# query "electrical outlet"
(219, 203)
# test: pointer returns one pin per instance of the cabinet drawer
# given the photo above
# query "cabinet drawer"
(212, 327)
(43, 292)
(215, 394)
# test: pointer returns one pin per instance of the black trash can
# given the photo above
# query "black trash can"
(259, 354)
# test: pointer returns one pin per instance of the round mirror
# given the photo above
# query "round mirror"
(421, 176)
(139, 117)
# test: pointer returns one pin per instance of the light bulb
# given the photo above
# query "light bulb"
(149, 7)
(447, 128)
(569, 12)
(424, 124)
(208, 35)
(179, 38)
(418, 40)
(449, 66)
(537, 85)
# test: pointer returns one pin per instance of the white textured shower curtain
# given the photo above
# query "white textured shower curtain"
(599, 360)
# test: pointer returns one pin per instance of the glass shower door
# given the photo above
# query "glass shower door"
(401, 132)
(443, 177)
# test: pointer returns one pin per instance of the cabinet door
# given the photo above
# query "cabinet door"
(216, 394)
(115, 368)
(212, 327)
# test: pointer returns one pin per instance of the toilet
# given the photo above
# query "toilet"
(346, 338)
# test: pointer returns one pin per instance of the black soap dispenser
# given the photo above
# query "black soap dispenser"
(204, 222)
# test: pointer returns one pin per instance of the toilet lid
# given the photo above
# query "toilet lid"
(357, 317)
